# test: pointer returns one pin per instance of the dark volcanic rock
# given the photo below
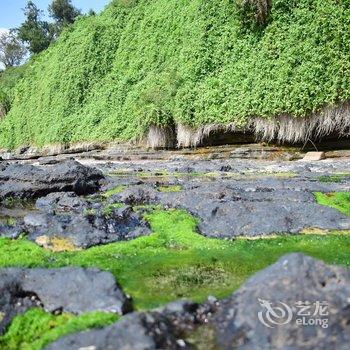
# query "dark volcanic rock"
(76, 290)
(87, 229)
(236, 321)
(136, 195)
(3, 165)
(225, 168)
(69, 289)
(28, 181)
(13, 299)
(262, 207)
(10, 231)
(129, 333)
(162, 329)
(61, 201)
(49, 161)
(293, 279)
(186, 169)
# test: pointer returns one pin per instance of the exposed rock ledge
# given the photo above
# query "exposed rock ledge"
(28, 181)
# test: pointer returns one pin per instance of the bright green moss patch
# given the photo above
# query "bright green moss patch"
(11, 221)
(109, 209)
(37, 328)
(176, 262)
(113, 191)
(8, 220)
(334, 178)
(337, 200)
(89, 212)
(170, 188)
(258, 175)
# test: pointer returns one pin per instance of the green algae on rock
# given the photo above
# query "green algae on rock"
(170, 188)
(37, 328)
(334, 178)
(113, 191)
(337, 200)
(171, 254)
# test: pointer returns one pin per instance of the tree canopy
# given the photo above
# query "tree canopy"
(38, 33)
(64, 13)
(34, 31)
(12, 51)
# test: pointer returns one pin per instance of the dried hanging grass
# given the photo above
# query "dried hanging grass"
(284, 129)
(161, 137)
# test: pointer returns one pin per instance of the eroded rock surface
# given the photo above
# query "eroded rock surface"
(58, 201)
(29, 181)
(235, 198)
(234, 322)
(70, 289)
(231, 208)
(292, 279)
(160, 329)
(10, 231)
(86, 228)
(136, 195)
(269, 206)
(232, 198)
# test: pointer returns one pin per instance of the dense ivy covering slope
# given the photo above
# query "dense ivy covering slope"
(8, 81)
(189, 62)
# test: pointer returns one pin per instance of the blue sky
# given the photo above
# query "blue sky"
(11, 14)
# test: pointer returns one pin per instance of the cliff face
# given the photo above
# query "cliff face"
(177, 70)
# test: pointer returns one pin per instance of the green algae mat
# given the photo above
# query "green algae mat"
(174, 262)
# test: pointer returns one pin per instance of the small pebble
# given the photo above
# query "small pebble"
(181, 343)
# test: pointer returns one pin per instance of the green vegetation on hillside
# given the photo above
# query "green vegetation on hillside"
(194, 62)
(8, 81)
